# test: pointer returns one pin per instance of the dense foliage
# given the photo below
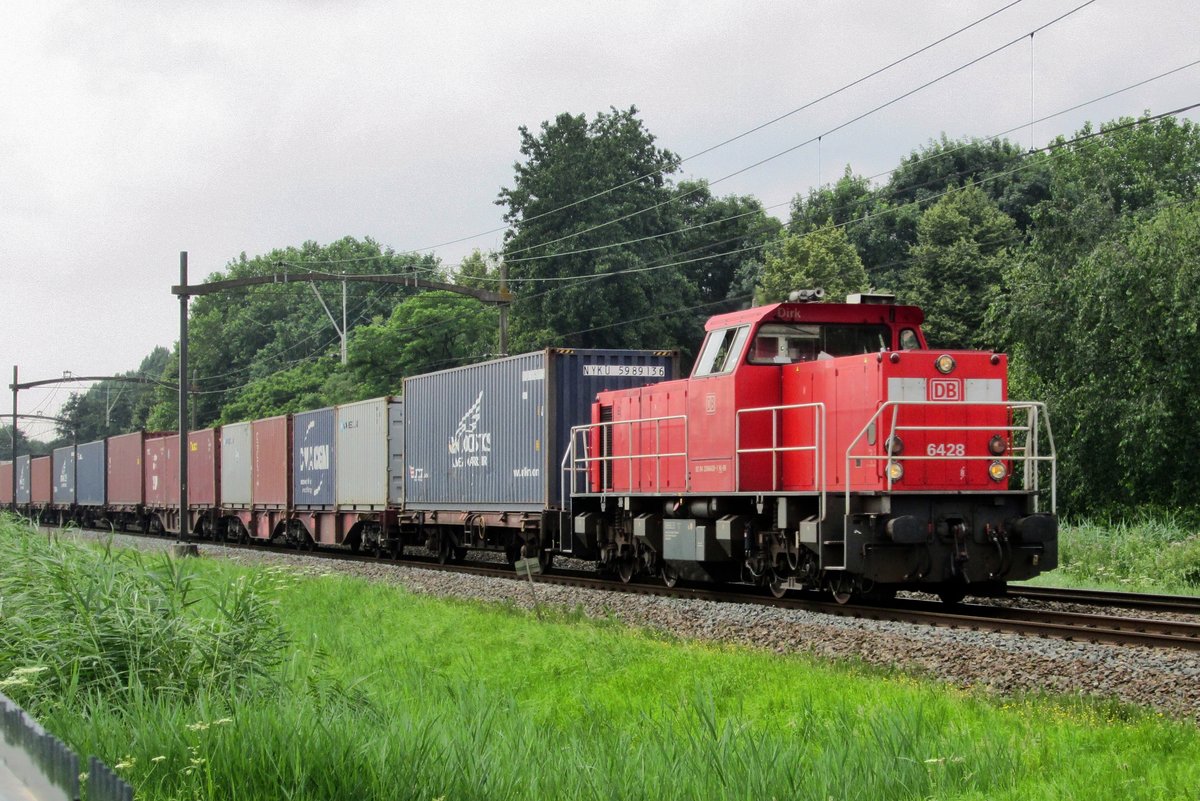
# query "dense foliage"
(80, 622)
(1079, 260)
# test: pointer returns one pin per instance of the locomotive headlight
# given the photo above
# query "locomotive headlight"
(944, 364)
(997, 471)
(895, 471)
(894, 445)
(997, 445)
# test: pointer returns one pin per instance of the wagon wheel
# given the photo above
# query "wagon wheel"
(460, 554)
(443, 552)
(530, 550)
(670, 575)
(777, 585)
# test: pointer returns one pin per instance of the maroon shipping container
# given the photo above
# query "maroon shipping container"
(271, 451)
(6, 483)
(126, 483)
(204, 469)
(40, 483)
(161, 467)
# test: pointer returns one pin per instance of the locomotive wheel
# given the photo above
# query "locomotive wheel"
(952, 596)
(842, 589)
(670, 576)
(625, 569)
(881, 593)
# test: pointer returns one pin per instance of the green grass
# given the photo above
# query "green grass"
(382, 694)
(1158, 554)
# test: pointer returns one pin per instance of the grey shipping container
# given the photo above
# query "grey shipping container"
(90, 474)
(23, 479)
(363, 454)
(396, 468)
(313, 459)
(491, 436)
(235, 465)
(62, 476)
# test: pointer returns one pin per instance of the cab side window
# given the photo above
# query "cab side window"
(721, 351)
(909, 340)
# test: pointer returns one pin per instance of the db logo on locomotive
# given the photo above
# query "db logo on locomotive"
(945, 389)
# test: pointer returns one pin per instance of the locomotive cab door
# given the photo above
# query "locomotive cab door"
(711, 409)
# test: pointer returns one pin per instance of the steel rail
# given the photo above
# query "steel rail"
(1184, 604)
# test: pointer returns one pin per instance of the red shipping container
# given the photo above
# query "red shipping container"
(40, 484)
(126, 483)
(6, 483)
(161, 467)
(272, 462)
(204, 469)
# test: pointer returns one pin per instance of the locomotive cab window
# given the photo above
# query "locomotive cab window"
(721, 350)
(909, 340)
(783, 343)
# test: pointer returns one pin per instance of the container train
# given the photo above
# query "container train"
(814, 446)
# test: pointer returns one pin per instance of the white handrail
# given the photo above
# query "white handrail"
(1028, 455)
(817, 448)
(579, 464)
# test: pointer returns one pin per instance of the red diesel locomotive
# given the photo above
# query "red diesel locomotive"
(819, 445)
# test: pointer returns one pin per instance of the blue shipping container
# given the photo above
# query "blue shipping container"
(90, 474)
(492, 436)
(62, 476)
(313, 462)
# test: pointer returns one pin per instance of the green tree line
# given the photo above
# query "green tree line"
(1080, 260)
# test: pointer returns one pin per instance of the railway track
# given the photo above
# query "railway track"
(1184, 604)
(1072, 626)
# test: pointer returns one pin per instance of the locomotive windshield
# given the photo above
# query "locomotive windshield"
(721, 350)
(786, 343)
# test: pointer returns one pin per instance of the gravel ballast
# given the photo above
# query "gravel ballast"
(1007, 664)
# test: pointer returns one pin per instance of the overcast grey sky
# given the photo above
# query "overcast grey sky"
(132, 130)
